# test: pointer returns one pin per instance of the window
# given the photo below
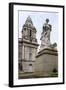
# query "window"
(24, 28)
(30, 56)
(30, 64)
(30, 33)
(30, 53)
(20, 67)
(19, 51)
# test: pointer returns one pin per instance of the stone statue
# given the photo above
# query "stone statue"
(47, 29)
(45, 36)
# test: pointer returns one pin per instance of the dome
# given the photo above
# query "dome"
(29, 21)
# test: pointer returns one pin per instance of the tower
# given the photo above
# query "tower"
(28, 46)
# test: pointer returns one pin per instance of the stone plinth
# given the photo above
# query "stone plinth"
(47, 62)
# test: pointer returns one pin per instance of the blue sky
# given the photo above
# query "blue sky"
(38, 19)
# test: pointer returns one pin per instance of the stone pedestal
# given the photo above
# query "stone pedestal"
(47, 62)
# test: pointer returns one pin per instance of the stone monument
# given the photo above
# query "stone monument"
(47, 58)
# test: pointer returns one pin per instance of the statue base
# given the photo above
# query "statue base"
(46, 64)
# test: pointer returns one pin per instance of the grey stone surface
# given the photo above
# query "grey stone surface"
(46, 61)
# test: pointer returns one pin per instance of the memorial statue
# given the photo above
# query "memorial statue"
(47, 30)
(45, 35)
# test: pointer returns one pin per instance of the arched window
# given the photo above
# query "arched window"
(30, 33)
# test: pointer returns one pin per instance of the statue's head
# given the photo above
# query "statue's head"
(47, 20)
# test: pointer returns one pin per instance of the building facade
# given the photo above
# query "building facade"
(27, 47)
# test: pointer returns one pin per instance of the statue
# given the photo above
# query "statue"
(47, 29)
(45, 36)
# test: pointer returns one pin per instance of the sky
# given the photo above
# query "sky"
(38, 19)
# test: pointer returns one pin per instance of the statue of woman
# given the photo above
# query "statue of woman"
(47, 29)
(45, 38)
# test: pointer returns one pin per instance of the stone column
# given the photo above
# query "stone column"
(23, 52)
